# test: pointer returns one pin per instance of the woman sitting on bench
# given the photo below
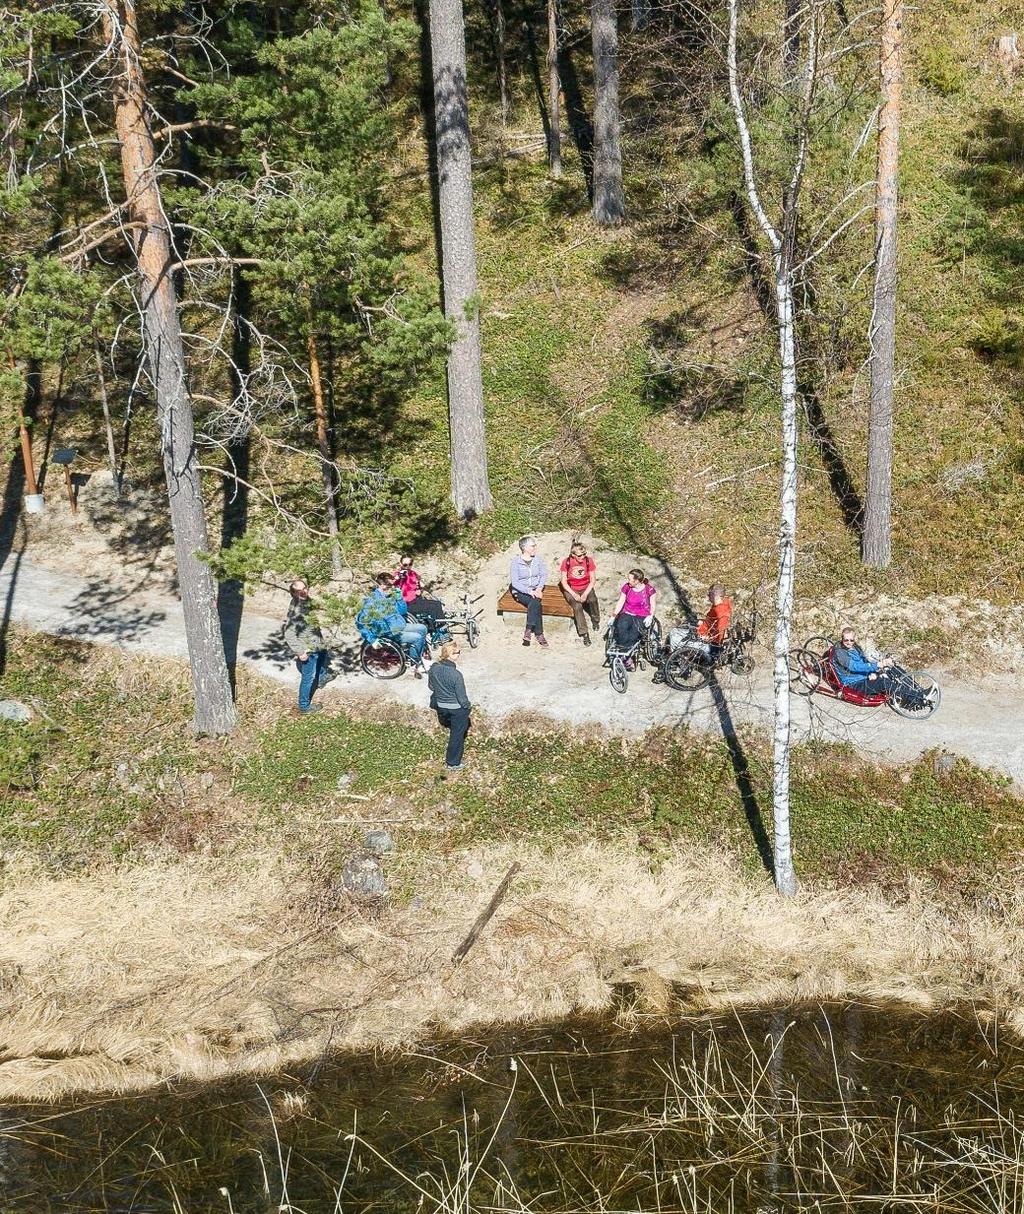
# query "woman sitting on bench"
(527, 576)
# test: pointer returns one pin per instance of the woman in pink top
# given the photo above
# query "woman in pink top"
(410, 583)
(634, 609)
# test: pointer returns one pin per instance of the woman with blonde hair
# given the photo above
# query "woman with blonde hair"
(449, 700)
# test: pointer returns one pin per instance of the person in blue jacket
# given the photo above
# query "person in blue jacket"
(384, 614)
(856, 670)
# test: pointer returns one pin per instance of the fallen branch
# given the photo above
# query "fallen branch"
(484, 917)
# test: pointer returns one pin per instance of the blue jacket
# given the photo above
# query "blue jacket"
(850, 665)
(383, 614)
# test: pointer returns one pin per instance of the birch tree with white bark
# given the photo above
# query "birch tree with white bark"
(779, 234)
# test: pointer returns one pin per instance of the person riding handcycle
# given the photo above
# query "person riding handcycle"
(384, 614)
(856, 671)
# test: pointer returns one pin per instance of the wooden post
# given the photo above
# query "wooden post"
(31, 488)
(70, 486)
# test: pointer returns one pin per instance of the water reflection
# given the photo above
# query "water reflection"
(797, 1109)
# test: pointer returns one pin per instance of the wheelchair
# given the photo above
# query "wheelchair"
(686, 666)
(646, 650)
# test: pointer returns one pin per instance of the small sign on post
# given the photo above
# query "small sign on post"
(64, 456)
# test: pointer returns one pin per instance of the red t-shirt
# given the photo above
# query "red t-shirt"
(715, 624)
(578, 572)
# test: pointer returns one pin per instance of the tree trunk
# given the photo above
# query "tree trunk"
(609, 205)
(105, 403)
(877, 543)
(323, 442)
(791, 37)
(499, 39)
(471, 492)
(214, 707)
(781, 243)
(554, 88)
(640, 11)
(785, 875)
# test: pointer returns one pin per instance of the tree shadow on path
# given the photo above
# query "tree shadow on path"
(641, 540)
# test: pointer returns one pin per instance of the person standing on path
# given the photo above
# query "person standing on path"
(306, 641)
(578, 570)
(527, 576)
(449, 700)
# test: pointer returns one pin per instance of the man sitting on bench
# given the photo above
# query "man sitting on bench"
(527, 576)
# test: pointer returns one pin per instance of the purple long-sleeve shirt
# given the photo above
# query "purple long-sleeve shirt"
(528, 576)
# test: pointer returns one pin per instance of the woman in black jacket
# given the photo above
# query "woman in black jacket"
(449, 700)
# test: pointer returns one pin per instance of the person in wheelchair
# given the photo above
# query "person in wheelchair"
(632, 613)
(855, 670)
(384, 614)
(410, 584)
(709, 636)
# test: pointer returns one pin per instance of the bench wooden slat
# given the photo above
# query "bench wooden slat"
(553, 602)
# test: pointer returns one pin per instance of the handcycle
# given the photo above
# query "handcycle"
(462, 619)
(646, 649)
(912, 694)
(686, 666)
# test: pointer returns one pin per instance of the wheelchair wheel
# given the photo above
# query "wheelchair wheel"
(618, 676)
(652, 645)
(472, 633)
(924, 698)
(805, 671)
(686, 672)
(385, 659)
(816, 646)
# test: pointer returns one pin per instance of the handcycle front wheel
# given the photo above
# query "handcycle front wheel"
(383, 659)
(685, 671)
(805, 671)
(472, 633)
(915, 682)
(816, 646)
(618, 676)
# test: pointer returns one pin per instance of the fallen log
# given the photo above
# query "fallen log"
(484, 917)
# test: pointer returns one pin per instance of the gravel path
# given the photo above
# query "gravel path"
(981, 720)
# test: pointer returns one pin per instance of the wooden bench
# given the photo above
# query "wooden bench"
(553, 601)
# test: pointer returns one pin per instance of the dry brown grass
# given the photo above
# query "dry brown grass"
(203, 970)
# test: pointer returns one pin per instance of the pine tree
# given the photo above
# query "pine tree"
(609, 204)
(471, 492)
(214, 706)
(877, 542)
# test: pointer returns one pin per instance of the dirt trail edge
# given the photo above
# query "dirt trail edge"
(982, 721)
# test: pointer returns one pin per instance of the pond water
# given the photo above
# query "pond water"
(810, 1108)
